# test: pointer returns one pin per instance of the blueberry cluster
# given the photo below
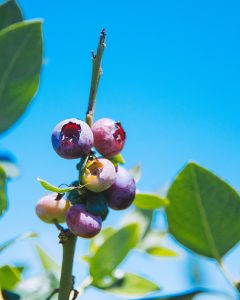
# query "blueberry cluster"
(104, 183)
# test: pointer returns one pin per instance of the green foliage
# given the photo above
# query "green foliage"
(132, 285)
(56, 189)
(107, 252)
(150, 201)
(142, 217)
(118, 159)
(161, 251)
(9, 277)
(204, 212)
(3, 196)
(136, 172)
(48, 263)
(21, 237)
(10, 168)
(10, 13)
(20, 65)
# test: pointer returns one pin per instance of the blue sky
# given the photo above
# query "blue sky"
(170, 75)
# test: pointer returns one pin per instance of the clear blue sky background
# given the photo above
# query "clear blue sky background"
(171, 76)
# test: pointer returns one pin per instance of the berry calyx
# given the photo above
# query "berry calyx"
(122, 192)
(72, 138)
(109, 137)
(82, 223)
(49, 209)
(99, 175)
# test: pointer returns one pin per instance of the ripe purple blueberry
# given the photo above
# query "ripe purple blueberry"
(99, 174)
(49, 209)
(82, 223)
(72, 138)
(122, 193)
(109, 137)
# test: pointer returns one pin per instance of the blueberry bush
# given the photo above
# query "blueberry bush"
(200, 209)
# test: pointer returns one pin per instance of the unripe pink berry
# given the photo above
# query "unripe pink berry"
(49, 209)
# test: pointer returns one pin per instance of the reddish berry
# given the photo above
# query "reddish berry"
(122, 193)
(109, 137)
(49, 209)
(72, 138)
(99, 175)
(82, 223)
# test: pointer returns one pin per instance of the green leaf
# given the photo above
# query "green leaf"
(38, 287)
(17, 239)
(48, 263)
(132, 285)
(99, 240)
(3, 195)
(55, 189)
(204, 212)
(10, 168)
(142, 217)
(9, 277)
(161, 251)
(118, 159)
(20, 65)
(10, 13)
(136, 172)
(150, 201)
(113, 251)
(187, 295)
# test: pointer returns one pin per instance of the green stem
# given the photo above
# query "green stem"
(228, 276)
(96, 74)
(66, 281)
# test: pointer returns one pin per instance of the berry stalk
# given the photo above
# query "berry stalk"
(96, 74)
(66, 280)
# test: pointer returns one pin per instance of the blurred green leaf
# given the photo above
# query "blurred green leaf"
(142, 217)
(38, 287)
(99, 240)
(21, 237)
(118, 159)
(9, 277)
(161, 251)
(188, 295)
(136, 172)
(150, 201)
(3, 196)
(10, 168)
(55, 189)
(48, 263)
(7, 295)
(132, 285)
(204, 212)
(113, 251)
(20, 65)
(9, 13)
(154, 244)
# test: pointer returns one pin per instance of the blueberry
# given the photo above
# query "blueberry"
(49, 209)
(96, 204)
(72, 138)
(121, 194)
(76, 196)
(109, 137)
(82, 223)
(99, 175)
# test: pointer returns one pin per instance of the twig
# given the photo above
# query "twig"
(52, 294)
(96, 74)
